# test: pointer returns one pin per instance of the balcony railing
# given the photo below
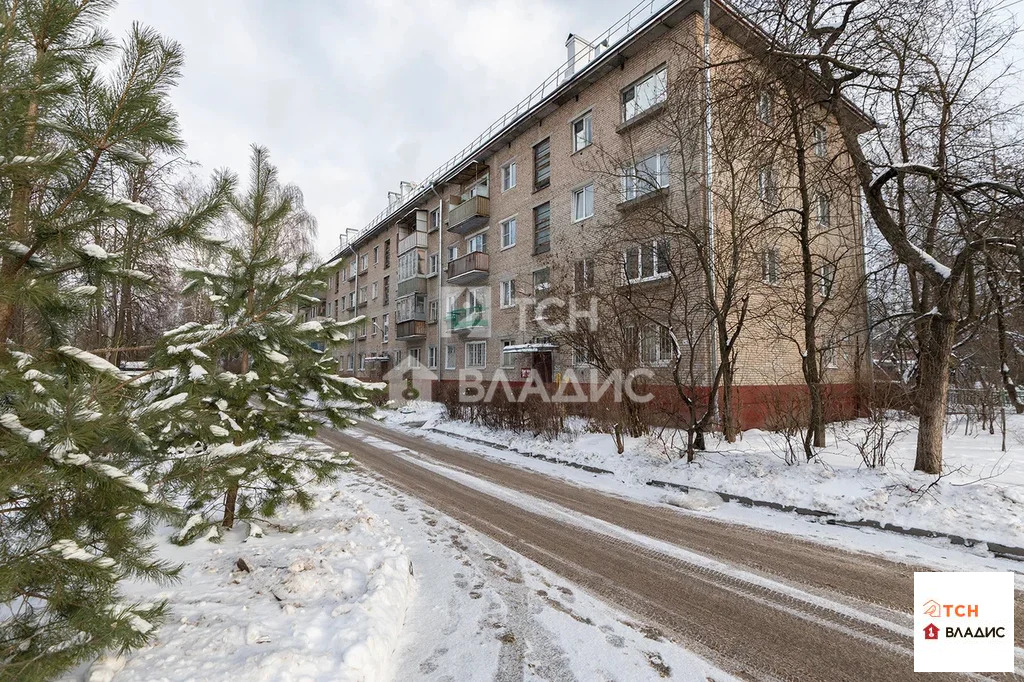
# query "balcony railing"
(416, 240)
(416, 285)
(469, 215)
(411, 329)
(411, 308)
(467, 319)
(473, 267)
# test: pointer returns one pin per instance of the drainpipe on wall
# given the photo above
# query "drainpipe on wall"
(355, 336)
(440, 246)
(708, 194)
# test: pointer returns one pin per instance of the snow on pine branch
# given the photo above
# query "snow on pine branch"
(10, 421)
(92, 361)
(71, 551)
(133, 206)
(115, 474)
(161, 405)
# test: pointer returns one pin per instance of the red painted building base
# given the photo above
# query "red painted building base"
(755, 407)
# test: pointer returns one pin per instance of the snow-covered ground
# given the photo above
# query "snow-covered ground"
(325, 598)
(372, 584)
(487, 613)
(980, 496)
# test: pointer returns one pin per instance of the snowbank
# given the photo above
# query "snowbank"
(325, 598)
(980, 495)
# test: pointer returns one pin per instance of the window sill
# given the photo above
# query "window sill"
(642, 117)
(645, 280)
(506, 248)
(583, 148)
(629, 204)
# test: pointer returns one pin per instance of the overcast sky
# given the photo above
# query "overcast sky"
(352, 97)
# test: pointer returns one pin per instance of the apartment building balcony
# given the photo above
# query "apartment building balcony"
(473, 267)
(416, 284)
(411, 329)
(415, 240)
(411, 308)
(471, 214)
(467, 319)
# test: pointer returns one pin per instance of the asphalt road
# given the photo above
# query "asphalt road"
(761, 605)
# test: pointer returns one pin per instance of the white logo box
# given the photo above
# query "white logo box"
(958, 605)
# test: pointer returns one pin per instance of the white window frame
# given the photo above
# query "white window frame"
(507, 359)
(819, 137)
(373, 326)
(579, 195)
(656, 84)
(827, 276)
(374, 290)
(770, 266)
(451, 356)
(504, 225)
(384, 328)
(538, 290)
(659, 268)
(662, 345)
(432, 357)
(586, 120)
(364, 262)
(823, 209)
(632, 182)
(477, 243)
(588, 275)
(766, 190)
(433, 263)
(376, 255)
(507, 298)
(476, 345)
(414, 355)
(508, 176)
(764, 106)
(453, 252)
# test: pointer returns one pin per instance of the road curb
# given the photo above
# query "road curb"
(832, 519)
(829, 518)
(500, 446)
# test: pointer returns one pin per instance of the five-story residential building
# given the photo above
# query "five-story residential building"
(443, 274)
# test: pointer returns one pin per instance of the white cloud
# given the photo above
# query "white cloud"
(353, 97)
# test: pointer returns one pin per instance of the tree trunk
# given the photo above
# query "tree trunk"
(1004, 355)
(730, 430)
(21, 196)
(932, 391)
(698, 440)
(230, 500)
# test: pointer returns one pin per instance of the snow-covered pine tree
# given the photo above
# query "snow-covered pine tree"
(77, 444)
(266, 376)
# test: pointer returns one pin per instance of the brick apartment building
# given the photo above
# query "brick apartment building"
(440, 275)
